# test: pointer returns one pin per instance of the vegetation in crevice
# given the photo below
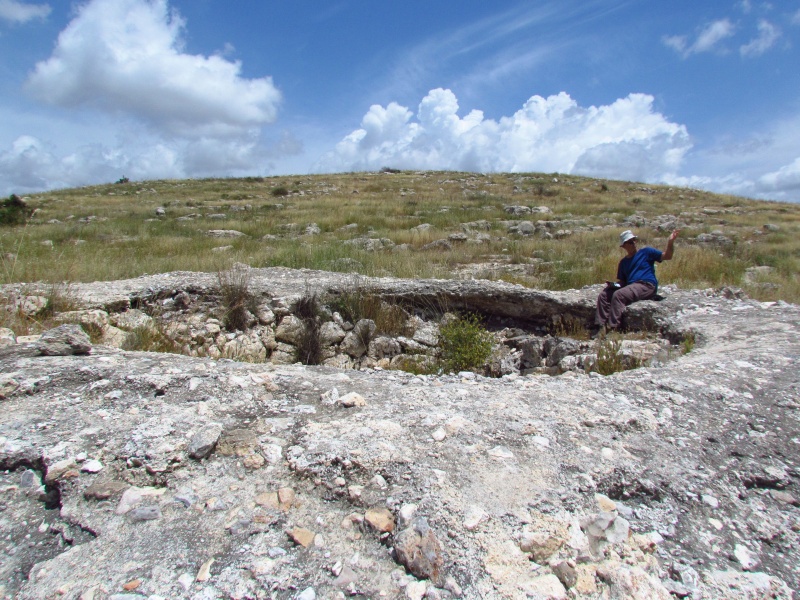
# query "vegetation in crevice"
(464, 343)
(309, 346)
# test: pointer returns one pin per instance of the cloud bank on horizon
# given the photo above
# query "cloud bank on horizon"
(125, 96)
(624, 140)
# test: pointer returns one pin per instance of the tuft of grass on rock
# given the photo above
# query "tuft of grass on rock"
(361, 303)
(237, 301)
(150, 338)
(309, 347)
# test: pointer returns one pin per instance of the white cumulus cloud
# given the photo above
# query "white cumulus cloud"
(140, 105)
(785, 182)
(22, 12)
(31, 165)
(627, 139)
(125, 56)
(26, 165)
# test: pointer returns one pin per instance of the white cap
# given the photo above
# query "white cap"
(625, 236)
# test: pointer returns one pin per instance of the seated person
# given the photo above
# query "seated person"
(636, 279)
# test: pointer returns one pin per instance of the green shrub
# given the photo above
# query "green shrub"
(14, 211)
(688, 342)
(418, 365)
(279, 191)
(464, 343)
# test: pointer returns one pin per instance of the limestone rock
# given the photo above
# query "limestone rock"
(64, 340)
(237, 442)
(357, 341)
(418, 549)
(380, 519)
(7, 337)
(203, 442)
(302, 536)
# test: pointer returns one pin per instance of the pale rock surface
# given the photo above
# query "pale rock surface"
(630, 456)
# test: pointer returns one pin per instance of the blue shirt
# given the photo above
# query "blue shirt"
(639, 267)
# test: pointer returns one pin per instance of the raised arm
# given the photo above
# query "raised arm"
(667, 254)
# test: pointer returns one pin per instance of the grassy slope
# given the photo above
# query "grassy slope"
(125, 239)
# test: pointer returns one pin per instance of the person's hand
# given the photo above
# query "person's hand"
(674, 234)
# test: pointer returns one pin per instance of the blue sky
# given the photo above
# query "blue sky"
(687, 93)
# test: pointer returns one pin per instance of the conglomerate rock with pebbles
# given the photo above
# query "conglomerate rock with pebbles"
(144, 475)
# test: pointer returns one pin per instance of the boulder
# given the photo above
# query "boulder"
(64, 340)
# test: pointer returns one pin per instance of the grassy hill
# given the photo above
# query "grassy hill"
(548, 231)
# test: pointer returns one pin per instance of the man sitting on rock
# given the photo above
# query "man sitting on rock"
(636, 279)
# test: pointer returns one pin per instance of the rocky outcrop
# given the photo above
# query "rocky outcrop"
(185, 310)
(135, 474)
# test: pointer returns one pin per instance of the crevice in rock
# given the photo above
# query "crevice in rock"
(51, 492)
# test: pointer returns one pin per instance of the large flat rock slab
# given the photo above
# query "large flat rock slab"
(683, 478)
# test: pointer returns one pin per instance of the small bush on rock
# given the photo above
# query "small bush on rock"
(688, 342)
(465, 344)
(309, 347)
(610, 358)
(238, 302)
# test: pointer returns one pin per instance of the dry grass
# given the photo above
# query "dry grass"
(111, 231)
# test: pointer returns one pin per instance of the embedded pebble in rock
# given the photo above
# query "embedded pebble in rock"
(415, 590)
(186, 580)
(352, 399)
(405, 515)
(345, 577)
(132, 585)
(419, 550)
(745, 556)
(144, 513)
(545, 586)
(678, 479)
(475, 516)
(92, 466)
(605, 503)
(205, 570)
(307, 594)
(302, 536)
(203, 442)
(501, 452)
(380, 519)
(29, 479)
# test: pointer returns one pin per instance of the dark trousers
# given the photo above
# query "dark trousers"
(612, 301)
